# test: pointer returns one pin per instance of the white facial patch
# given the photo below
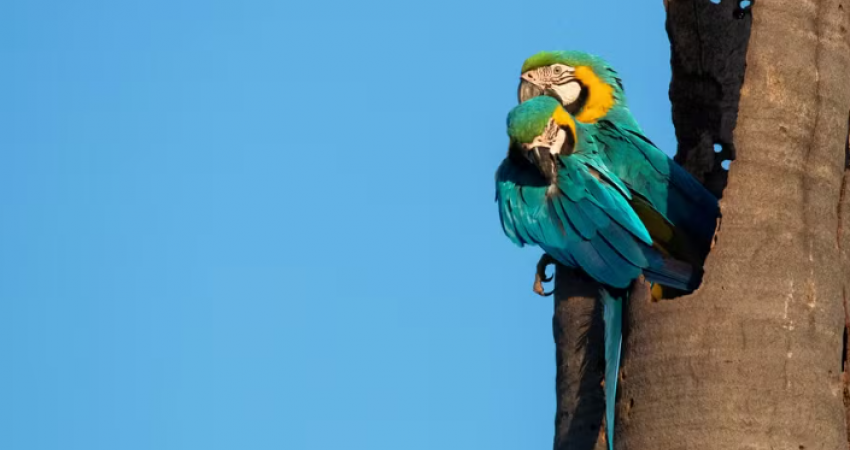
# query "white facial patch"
(568, 93)
(560, 72)
(553, 138)
(558, 144)
(547, 76)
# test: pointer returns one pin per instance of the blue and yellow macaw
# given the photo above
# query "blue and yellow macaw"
(679, 213)
(556, 190)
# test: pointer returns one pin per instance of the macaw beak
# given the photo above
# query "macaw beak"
(528, 89)
(543, 159)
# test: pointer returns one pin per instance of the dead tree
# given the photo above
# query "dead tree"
(753, 359)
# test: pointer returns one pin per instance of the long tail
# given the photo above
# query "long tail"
(613, 315)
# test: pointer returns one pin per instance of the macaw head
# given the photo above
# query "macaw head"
(584, 84)
(540, 130)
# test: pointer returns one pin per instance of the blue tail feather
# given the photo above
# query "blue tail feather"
(613, 316)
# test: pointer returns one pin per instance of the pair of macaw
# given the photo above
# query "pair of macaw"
(582, 181)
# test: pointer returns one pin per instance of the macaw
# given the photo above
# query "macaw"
(555, 189)
(679, 213)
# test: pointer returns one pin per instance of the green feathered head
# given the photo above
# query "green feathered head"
(585, 84)
(541, 131)
(572, 58)
(528, 120)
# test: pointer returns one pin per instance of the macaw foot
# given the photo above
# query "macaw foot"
(657, 292)
(540, 276)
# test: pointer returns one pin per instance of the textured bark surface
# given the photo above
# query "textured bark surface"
(578, 329)
(708, 56)
(752, 360)
(843, 242)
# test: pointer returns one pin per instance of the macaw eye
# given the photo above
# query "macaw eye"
(557, 69)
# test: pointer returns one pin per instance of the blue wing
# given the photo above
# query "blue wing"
(584, 221)
(673, 194)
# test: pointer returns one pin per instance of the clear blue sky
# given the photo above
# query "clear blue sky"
(268, 225)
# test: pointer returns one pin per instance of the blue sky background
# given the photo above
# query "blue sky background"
(270, 225)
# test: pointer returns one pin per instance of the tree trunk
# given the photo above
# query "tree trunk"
(844, 248)
(752, 360)
(578, 329)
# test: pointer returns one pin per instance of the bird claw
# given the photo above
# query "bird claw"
(540, 275)
(656, 292)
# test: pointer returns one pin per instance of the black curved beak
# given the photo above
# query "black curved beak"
(528, 90)
(543, 159)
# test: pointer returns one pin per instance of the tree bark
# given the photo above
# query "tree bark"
(752, 360)
(843, 243)
(707, 59)
(578, 329)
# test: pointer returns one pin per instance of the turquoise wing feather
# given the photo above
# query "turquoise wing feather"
(584, 221)
(672, 192)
